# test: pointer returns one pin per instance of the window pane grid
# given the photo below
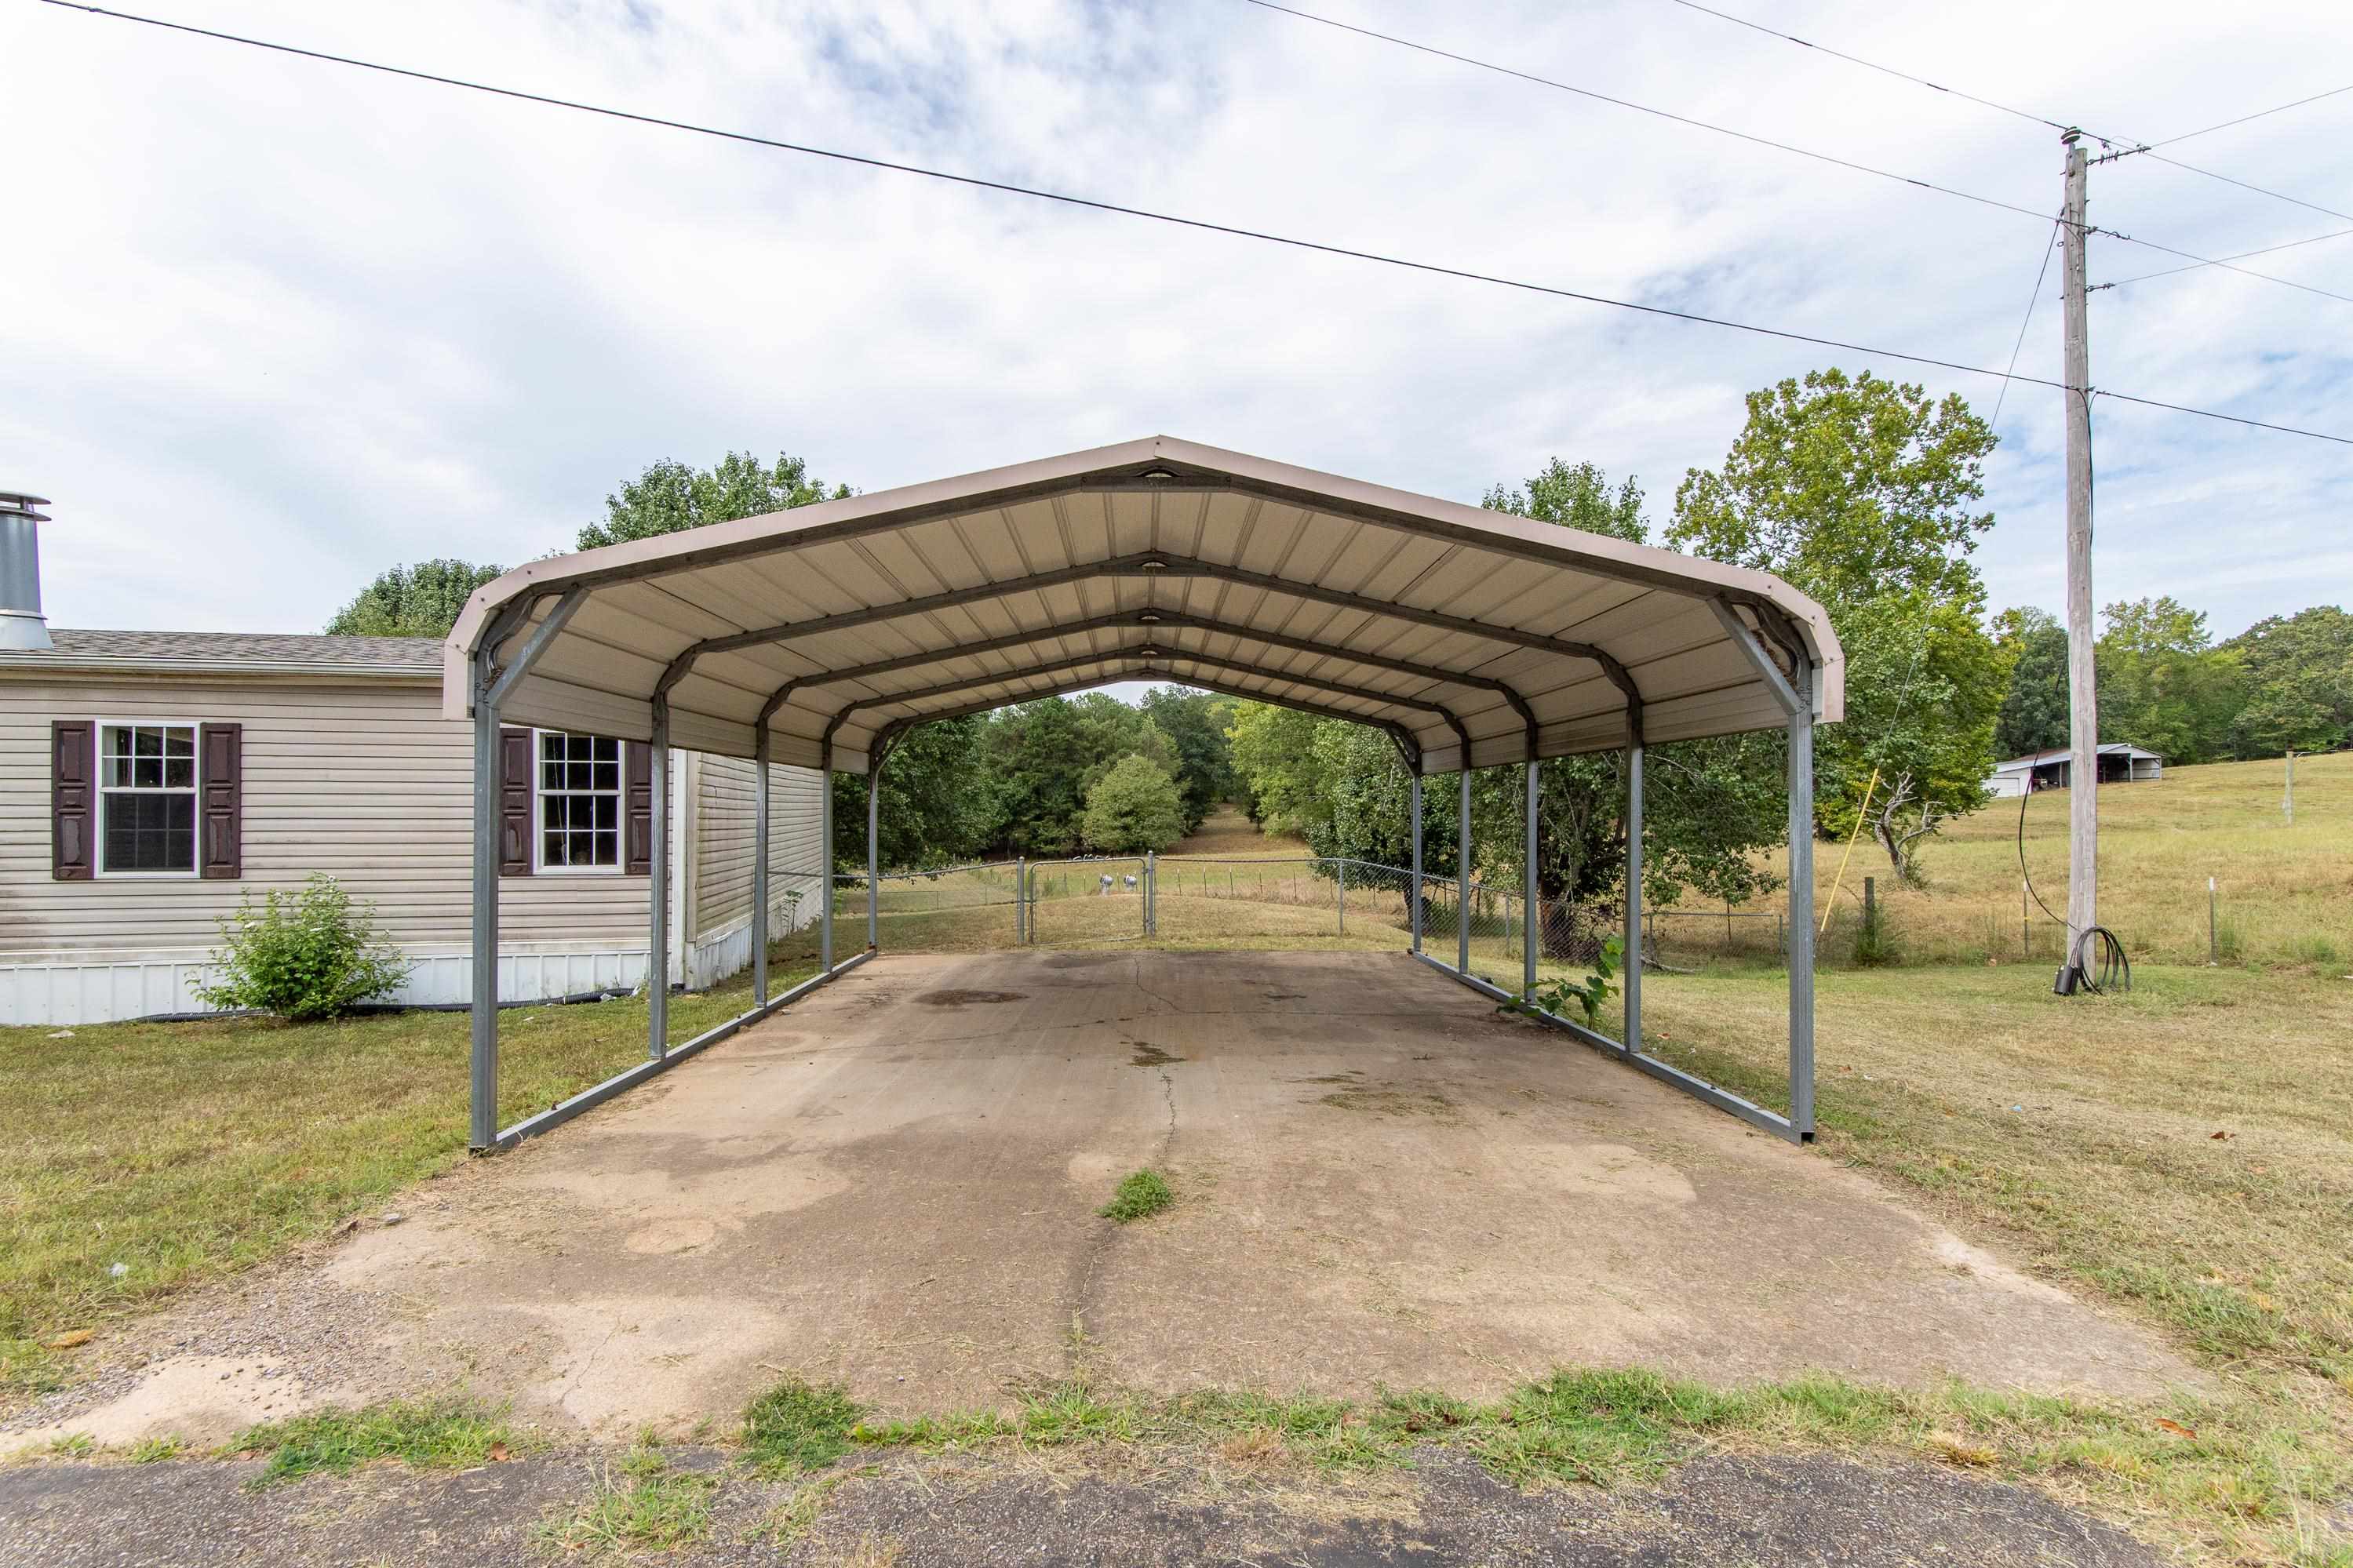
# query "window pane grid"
(147, 780)
(579, 802)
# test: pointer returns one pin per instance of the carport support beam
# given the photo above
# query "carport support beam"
(760, 765)
(824, 859)
(1531, 905)
(658, 863)
(1462, 871)
(1415, 796)
(483, 1123)
(1801, 907)
(873, 854)
(1632, 1041)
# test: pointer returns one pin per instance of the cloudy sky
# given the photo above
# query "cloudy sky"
(269, 326)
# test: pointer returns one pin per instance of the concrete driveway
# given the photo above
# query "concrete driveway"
(1380, 1181)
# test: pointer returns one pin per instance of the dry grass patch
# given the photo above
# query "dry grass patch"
(2285, 889)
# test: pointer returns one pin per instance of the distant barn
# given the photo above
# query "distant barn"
(2119, 763)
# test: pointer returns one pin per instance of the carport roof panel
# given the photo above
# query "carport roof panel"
(1455, 622)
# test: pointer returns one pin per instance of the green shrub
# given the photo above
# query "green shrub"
(311, 954)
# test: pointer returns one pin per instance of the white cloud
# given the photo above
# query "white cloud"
(276, 324)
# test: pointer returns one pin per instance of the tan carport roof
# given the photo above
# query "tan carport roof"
(1154, 560)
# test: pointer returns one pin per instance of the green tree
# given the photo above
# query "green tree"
(670, 497)
(1133, 807)
(419, 600)
(2162, 686)
(1862, 493)
(929, 813)
(2297, 674)
(1847, 488)
(1577, 497)
(2033, 716)
(1195, 724)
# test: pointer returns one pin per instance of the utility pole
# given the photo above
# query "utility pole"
(2082, 695)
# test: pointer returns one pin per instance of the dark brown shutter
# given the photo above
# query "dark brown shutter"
(220, 777)
(73, 807)
(637, 799)
(515, 763)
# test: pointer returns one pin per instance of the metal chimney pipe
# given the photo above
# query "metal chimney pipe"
(22, 625)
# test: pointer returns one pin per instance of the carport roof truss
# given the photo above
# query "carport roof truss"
(833, 626)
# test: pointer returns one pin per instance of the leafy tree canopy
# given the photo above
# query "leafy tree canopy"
(1846, 488)
(419, 600)
(2033, 715)
(2297, 674)
(1577, 497)
(2161, 684)
(670, 497)
(1133, 807)
(930, 814)
(1862, 493)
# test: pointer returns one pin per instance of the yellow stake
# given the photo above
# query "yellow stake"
(1851, 838)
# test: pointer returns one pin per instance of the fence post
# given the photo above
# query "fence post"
(1151, 915)
(1021, 900)
(1343, 866)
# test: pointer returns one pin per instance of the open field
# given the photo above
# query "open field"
(182, 1150)
(2283, 890)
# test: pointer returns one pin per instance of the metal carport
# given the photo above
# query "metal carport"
(814, 636)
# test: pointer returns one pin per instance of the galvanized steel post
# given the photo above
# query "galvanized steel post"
(1801, 906)
(1151, 898)
(1633, 1042)
(873, 854)
(483, 1126)
(760, 752)
(1021, 900)
(1531, 904)
(1344, 898)
(824, 857)
(1415, 918)
(1462, 872)
(658, 948)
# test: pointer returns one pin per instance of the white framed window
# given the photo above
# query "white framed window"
(576, 808)
(146, 798)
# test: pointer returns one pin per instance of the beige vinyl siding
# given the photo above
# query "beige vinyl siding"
(361, 778)
(723, 831)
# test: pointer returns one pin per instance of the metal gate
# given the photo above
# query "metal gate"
(1087, 900)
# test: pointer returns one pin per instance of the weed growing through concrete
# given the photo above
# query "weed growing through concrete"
(1140, 1193)
(795, 1427)
(155, 1450)
(2223, 1472)
(652, 1508)
(448, 1432)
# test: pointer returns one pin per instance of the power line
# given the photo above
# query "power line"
(2128, 143)
(2259, 114)
(1204, 225)
(1768, 141)
(2032, 300)
(1867, 65)
(1642, 108)
(2241, 256)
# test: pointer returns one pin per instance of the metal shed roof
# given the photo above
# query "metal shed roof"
(1160, 560)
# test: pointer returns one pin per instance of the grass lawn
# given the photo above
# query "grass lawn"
(2283, 890)
(184, 1150)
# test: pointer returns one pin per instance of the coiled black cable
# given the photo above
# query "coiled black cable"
(2115, 969)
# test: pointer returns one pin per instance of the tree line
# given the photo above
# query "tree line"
(1864, 493)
